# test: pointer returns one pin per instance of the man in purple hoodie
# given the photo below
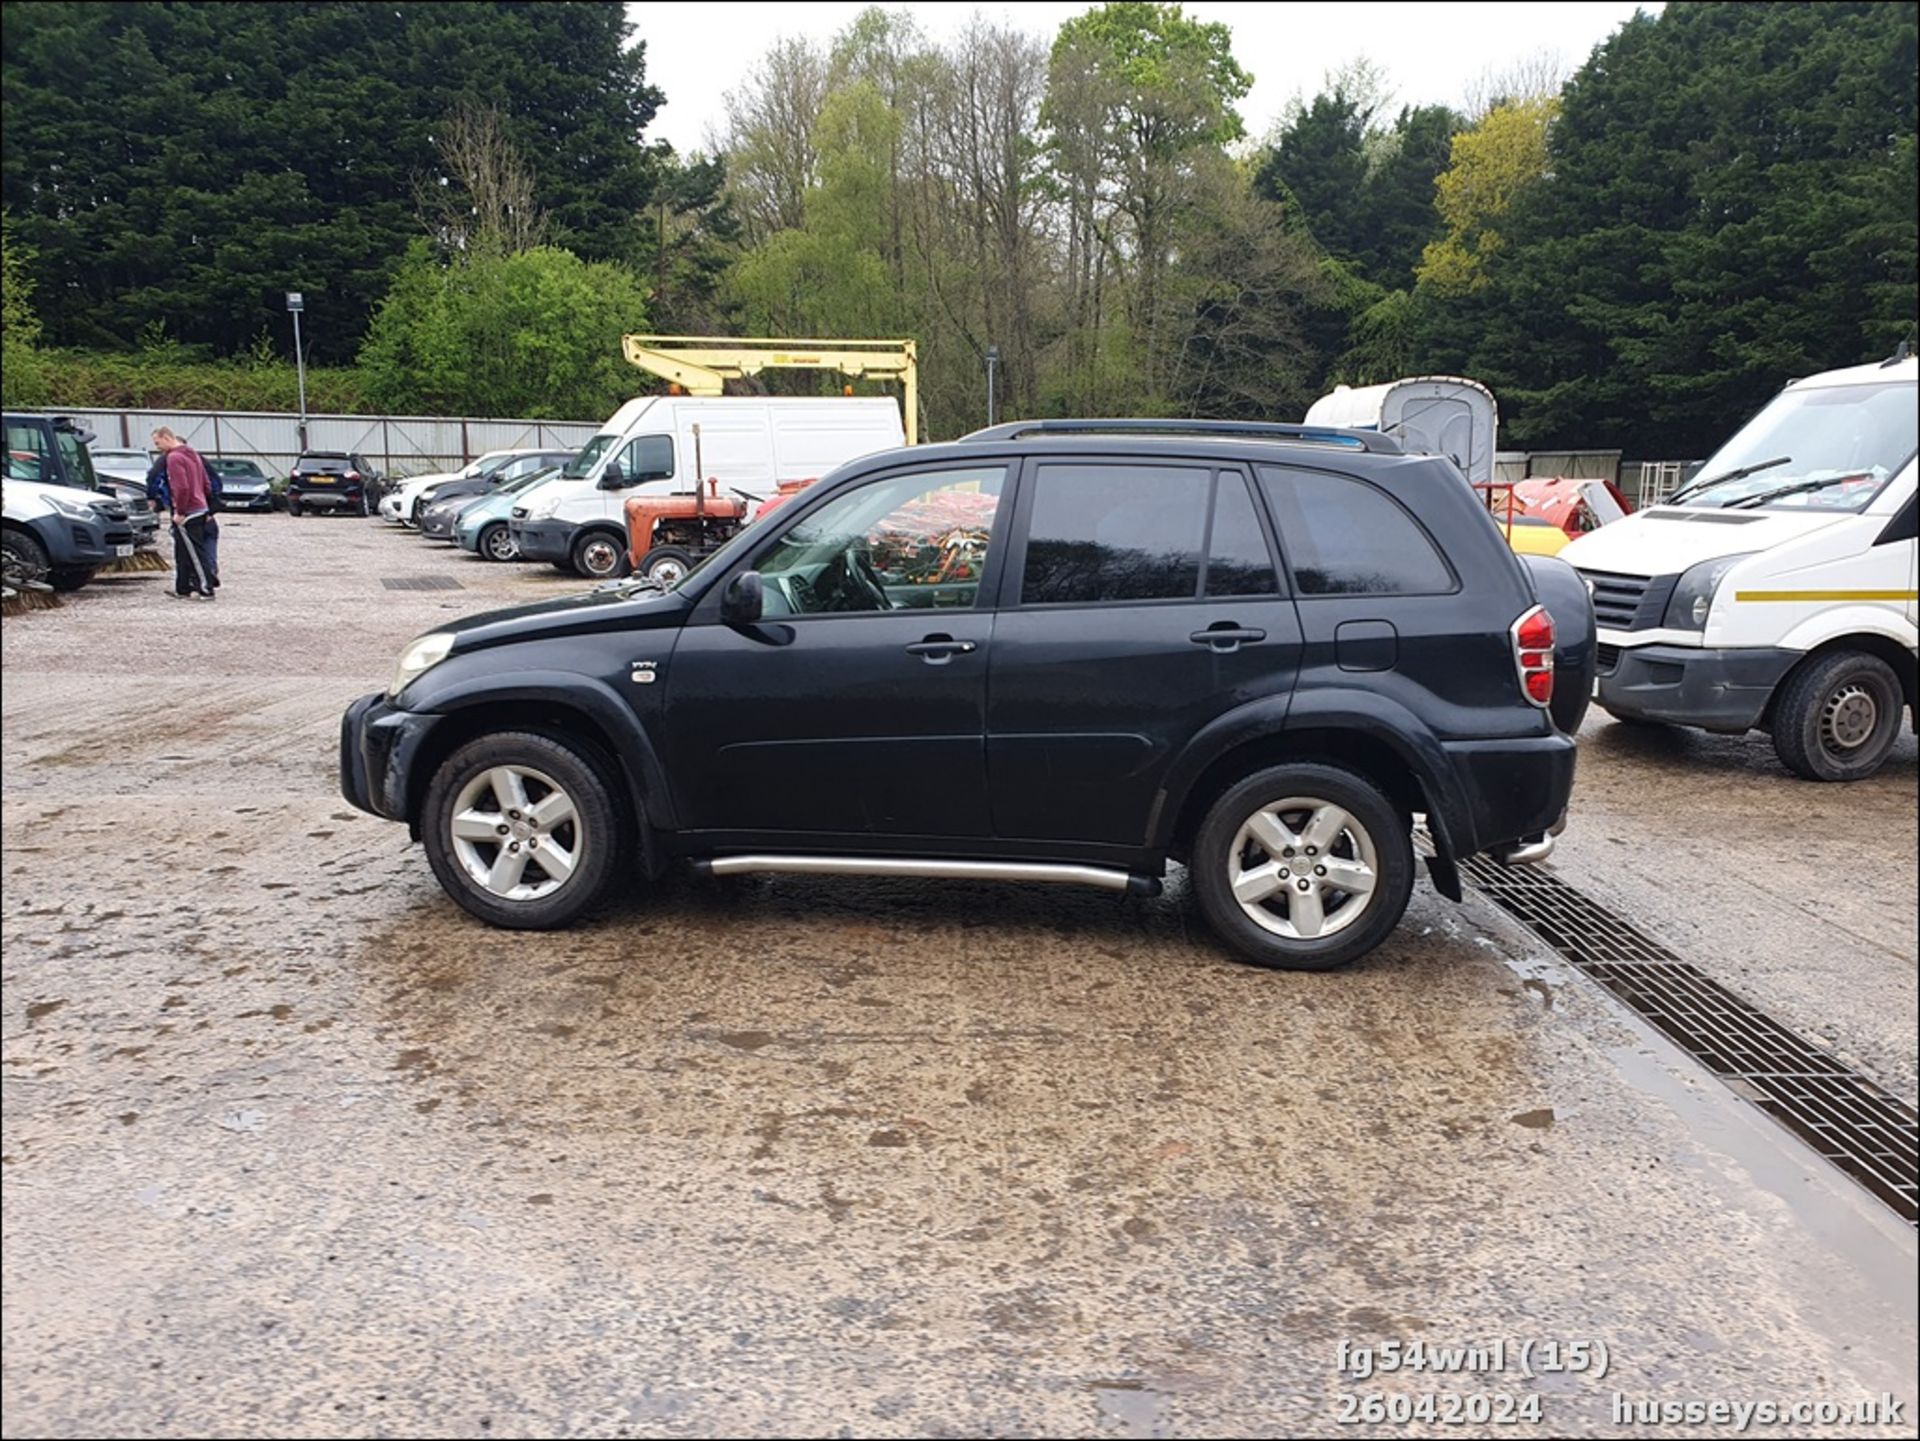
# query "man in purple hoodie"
(190, 496)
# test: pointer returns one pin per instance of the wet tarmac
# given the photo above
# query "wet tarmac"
(292, 1146)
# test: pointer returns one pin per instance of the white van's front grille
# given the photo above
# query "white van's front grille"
(1629, 602)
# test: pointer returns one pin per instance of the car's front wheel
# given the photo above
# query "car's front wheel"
(599, 556)
(496, 542)
(1303, 867)
(1837, 718)
(523, 829)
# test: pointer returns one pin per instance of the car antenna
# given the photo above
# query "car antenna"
(1904, 350)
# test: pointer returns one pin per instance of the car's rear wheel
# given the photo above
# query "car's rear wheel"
(599, 555)
(1837, 718)
(523, 829)
(496, 542)
(1303, 867)
(293, 505)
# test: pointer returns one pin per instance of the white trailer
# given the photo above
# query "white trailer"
(1432, 414)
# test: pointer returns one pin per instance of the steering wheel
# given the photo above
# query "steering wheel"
(860, 567)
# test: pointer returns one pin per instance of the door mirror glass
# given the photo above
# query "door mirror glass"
(613, 477)
(744, 599)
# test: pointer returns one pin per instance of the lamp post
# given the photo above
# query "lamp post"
(297, 303)
(993, 361)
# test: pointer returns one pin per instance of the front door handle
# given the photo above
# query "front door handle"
(939, 649)
(1226, 637)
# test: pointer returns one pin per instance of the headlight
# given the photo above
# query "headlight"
(540, 507)
(418, 658)
(1693, 597)
(78, 509)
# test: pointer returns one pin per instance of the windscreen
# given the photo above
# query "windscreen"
(1831, 448)
(581, 466)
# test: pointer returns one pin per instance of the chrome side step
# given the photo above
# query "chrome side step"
(932, 868)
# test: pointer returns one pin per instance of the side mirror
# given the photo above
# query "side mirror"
(613, 478)
(743, 600)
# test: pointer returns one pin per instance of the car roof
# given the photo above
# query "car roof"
(1241, 449)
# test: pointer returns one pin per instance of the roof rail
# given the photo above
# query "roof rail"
(1367, 440)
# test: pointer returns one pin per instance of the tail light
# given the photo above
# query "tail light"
(1533, 654)
(353, 475)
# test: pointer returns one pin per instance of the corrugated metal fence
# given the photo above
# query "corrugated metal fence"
(398, 444)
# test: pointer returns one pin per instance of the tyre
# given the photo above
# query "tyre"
(599, 555)
(523, 829)
(366, 504)
(496, 542)
(667, 564)
(1303, 867)
(71, 577)
(293, 505)
(25, 554)
(1837, 717)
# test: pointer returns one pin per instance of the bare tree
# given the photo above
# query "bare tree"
(771, 160)
(1538, 76)
(484, 197)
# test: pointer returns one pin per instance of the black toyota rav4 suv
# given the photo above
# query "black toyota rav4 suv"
(1057, 651)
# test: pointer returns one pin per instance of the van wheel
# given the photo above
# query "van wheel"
(668, 564)
(522, 830)
(599, 556)
(1303, 867)
(496, 542)
(1837, 717)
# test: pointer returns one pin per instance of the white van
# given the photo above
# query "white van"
(1432, 414)
(748, 443)
(1777, 591)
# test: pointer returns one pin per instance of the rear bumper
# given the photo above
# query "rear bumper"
(1717, 690)
(378, 744)
(549, 540)
(330, 495)
(1516, 790)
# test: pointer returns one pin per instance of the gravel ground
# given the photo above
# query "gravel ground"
(293, 1147)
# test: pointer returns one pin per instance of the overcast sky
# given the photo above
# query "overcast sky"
(1430, 52)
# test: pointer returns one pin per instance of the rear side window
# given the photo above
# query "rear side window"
(1238, 561)
(1115, 533)
(1344, 537)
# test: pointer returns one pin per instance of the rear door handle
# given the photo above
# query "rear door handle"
(1227, 637)
(939, 649)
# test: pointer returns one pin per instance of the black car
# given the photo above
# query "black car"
(435, 514)
(243, 484)
(332, 480)
(141, 515)
(1055, 651)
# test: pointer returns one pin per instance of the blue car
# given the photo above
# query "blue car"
(482, 526)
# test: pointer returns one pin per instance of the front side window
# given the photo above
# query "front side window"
(909, 542)
(1344, 537)
(1105, 533)
(647, 457)
(27, 453)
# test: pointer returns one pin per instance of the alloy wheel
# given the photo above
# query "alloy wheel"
(517, 833)
(1303, 868)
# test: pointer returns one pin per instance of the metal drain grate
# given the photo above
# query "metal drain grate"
(1840, 1113)
(420, 582)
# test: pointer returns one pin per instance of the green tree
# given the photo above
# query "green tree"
(534, 334)
(23, 371)
(1492, 165)
(1138, 95)
(1730, 202)
(189, 162)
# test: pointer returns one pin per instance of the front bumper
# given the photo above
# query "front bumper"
(246, 500)
(73, 544)
(548, 540)
(437, 527)
(378, 745)
(1717, 690)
